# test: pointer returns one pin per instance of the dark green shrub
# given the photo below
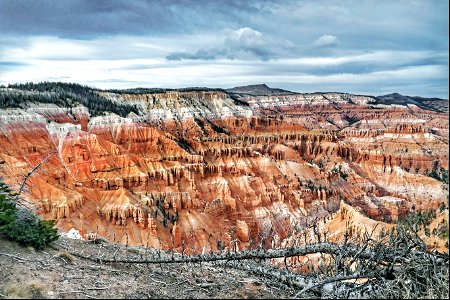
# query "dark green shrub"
(22, 226)
(440, 174)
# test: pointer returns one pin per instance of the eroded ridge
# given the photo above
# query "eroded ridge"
(210, 169)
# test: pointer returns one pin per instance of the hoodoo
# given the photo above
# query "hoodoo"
(215, 167)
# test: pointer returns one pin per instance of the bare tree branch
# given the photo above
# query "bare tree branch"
(32, 171)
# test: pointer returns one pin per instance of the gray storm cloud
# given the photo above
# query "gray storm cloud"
(349, 46)
(243, 43)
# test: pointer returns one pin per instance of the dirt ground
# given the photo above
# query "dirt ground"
(26, 273)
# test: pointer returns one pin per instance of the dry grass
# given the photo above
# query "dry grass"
(33, 290)
(66, 256)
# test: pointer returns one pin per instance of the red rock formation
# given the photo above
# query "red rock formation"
(200, 170)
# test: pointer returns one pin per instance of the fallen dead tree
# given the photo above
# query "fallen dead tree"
(395, 264)
(329, 248)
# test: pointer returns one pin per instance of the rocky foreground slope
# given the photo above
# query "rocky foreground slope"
(210, 169)
(52, 274)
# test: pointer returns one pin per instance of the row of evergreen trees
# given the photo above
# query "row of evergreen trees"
(63, 95)
(139, 91)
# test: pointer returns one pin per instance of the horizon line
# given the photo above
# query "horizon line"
(6, 85)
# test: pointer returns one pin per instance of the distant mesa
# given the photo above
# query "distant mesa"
(436, 104)
(258, 90)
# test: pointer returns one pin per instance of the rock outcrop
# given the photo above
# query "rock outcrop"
(203, 171)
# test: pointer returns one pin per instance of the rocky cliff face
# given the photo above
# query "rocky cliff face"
(202, 170)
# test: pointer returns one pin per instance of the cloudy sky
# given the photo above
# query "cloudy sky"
(366, 47)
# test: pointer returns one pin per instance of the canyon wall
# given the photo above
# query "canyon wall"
(203, 170)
